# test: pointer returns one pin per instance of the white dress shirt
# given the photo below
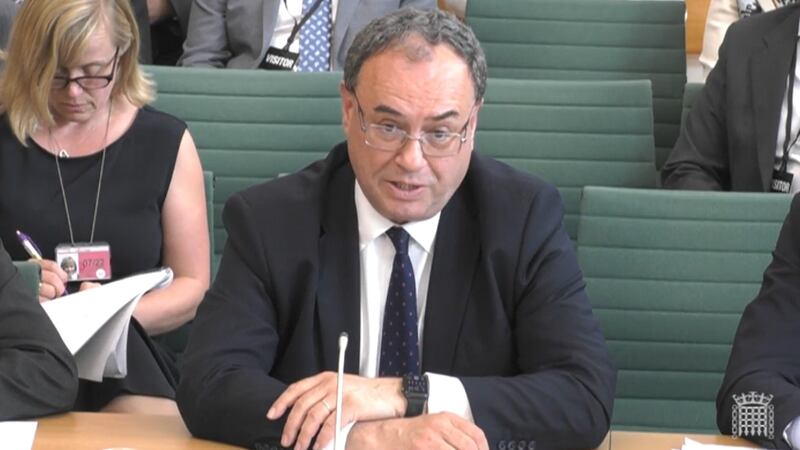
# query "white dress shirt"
(793, 165)
(289, 13)
(376, 253)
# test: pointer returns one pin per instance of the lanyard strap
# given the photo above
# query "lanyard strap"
(789, 111)
(303, 20)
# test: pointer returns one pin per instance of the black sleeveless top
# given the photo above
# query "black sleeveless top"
(136, 176)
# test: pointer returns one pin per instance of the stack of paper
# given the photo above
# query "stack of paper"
(18, 435)
(689, 444)
(94, 323)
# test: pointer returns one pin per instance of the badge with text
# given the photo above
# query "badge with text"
(278, 59)
(84, 261)
(781, 182)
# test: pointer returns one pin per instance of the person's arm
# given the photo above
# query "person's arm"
(699, 159)
(186, 247)
(420, 4)
(206, 42)
(226, 387)
(37, 373)
(765, 358)
(721, 14)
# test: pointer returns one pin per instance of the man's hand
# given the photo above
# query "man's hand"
(313, 402)
(429, 431)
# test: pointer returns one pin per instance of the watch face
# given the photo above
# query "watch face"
(416, 385)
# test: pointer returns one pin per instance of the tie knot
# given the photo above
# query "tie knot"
(399, 238)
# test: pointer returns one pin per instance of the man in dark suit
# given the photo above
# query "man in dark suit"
(37, 374)
(237, 33)
(733, 138)
(766, 351)
(451, 272)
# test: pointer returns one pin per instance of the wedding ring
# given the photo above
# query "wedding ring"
(325, 404)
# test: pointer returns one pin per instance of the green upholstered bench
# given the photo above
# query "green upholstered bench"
(251, 126)
(669, 273)
(571, 133)
(31, 274)
(590, 39)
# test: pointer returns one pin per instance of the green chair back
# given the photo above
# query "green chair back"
(31, 274)
(590, 40)
(571, 133)
(669, 274)
(250, 126)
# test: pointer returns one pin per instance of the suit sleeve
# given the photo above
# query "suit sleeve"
(765, 355)
(226, 387)
(206, 42)
(699, 159)
(420, 4)
(37, 373)
(564, 392)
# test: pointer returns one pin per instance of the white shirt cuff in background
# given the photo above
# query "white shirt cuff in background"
(447, 394)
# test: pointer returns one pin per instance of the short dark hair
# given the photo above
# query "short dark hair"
(433, 26)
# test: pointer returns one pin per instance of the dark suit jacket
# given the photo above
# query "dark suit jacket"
(37, 374)
(728, 139)
(506, 311)
(236, 33)
(766, 352)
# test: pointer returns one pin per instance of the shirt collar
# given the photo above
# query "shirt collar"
(371, 224)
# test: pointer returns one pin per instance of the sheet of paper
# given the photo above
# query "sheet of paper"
(94, 323)
(689, 444)
(17, 435)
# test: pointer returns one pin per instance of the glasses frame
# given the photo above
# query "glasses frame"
(79, 80)
(461, 135)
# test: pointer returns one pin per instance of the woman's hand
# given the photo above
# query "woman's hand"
(53, 283)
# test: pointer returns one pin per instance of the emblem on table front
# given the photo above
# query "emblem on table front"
(753, 415)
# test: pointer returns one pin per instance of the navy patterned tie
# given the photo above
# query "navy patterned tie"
(400, 340)
(315, 38)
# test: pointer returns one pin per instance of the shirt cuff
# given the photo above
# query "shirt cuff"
(447, 394)
(343, 436)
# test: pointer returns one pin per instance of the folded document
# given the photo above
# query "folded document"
(689, 444)
(94, 323)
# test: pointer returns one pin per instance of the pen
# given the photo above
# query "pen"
(29, 245)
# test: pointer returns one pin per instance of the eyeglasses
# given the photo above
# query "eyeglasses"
(391, 138)
(88, 82)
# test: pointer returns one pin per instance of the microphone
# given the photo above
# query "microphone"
(339, 385)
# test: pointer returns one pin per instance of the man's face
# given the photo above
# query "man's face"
(431, 94)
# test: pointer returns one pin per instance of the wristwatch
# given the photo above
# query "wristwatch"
(415, 389)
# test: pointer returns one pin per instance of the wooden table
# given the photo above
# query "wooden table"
(634, 440)
(99, 431)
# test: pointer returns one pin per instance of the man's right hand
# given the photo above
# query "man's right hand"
(428, 431)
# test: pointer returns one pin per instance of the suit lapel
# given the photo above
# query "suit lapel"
(338, 294)
(769, 69)
(454, 261)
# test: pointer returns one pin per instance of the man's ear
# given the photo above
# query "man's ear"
(474, 119)
(348, 105)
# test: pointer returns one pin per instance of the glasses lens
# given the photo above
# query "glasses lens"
(92, 82)
(385, 137)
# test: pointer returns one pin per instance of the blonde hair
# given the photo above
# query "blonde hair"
(50, 34)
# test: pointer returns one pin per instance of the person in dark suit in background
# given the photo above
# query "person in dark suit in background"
(37, 373)
(765, 357)
(238, 33)
(735, 136)
(451, 272)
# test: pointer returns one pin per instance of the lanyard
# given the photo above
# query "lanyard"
(790, 111)
(99, 182)
(303, 20)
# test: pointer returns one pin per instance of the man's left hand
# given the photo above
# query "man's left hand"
(313, 402)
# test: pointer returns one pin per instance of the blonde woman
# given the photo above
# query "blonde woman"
(84, 162)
